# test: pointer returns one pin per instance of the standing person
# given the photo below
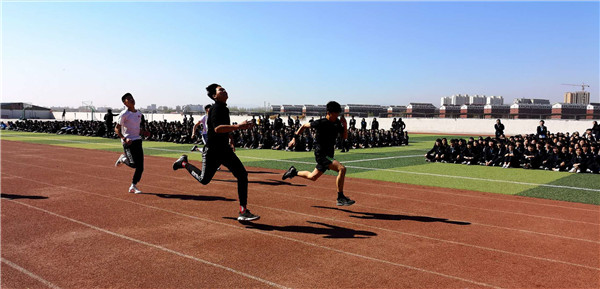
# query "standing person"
(327, 130)
(499, 127)
(63, 114)
(363, 124)
(108, 122)
(129, 129)
(596, 130)
(375, 124)
(542, 130)
(201, 122)
(220, 150)
(352, 123)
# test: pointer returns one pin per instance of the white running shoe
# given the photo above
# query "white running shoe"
(134, 190)
(120, 161)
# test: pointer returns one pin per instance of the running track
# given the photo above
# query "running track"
(68, 222)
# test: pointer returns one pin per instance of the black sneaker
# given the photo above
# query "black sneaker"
(291, 172)
(194, 148)
(344, 201)
(178, 163)
(247, 216)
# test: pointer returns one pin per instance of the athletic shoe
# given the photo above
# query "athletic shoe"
(194, 148)
(134, 190)
(572, 170)
(120, 161)
(247, 216)
(344, 201)
(178, 163)
(291, 172)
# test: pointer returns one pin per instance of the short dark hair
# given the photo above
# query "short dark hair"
(334, 107)
(126, 95)
(212, 90)
(207, 106)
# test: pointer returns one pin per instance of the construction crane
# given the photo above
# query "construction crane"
(583, 85)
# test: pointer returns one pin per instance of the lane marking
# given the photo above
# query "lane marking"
(374, 169)
(28, 273)
(249, 231)
(153, 245)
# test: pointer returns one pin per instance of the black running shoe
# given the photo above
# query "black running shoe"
(344, 201)
(178, 163)
(194, 148)
(247, 216)
(290, 173)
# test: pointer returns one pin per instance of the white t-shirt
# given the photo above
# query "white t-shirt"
(130, 124)
(203, 122)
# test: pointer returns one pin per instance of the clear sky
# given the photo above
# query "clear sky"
(166, 53)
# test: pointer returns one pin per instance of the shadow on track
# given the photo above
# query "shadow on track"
(269, 182)
(329, 231)
(389, 217)
(191, 197)
(15, 197)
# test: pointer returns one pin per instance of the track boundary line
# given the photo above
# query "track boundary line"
(337, 220)
(245, 230)
(380, 195)
(273, 284)
(378, 169)
(28, 273)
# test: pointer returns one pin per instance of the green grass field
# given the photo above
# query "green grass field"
(404, 164)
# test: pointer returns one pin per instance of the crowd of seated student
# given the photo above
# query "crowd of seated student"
(558, 152)
(265, 134)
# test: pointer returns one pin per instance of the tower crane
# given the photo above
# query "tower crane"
(583, 85)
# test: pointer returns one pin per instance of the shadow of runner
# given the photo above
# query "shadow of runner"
(269, 182)
(389, 217)
(191, 197)
(329, 231)
(14, 197)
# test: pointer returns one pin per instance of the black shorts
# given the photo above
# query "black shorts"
(323, 162)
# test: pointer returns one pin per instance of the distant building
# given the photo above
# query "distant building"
(470, 99)
(289, 109)
(415, 109)
(311, 109)
(20, 110)
(494, 100)
(450, 111)
(471, 111)
(531, 101)
(396, 111)
(593, 111)
(496, 111)
(275, 108)
(569, 111)
(529, 110)
(364, 110)
(579, 97)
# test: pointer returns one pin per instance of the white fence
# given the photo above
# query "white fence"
(413, 125)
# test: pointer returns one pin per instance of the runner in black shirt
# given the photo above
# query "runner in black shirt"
(327, 130)
(220, 150)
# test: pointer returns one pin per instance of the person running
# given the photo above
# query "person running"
(201, 122)
(220, 150)
(327, 130)
(129, 128)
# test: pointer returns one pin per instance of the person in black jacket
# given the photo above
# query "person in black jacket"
(220, 150)
(499, 127)
(578, 161)
(542, 130)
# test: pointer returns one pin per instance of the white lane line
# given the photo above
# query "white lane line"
(245, 230)
(378, 169)
(153, 246)
(352, 191)
(379, 159)
(333, 219)
(28, 273)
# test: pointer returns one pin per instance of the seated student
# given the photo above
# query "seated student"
(578, 161)
(564, 160)
(512, 157)
(433, 154)
(551, 160)
(531, 158)
(489, 154)
(499, 152)
(470, 155)
(443, 153)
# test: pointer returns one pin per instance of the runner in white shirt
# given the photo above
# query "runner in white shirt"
(202, 122)
(128, 128)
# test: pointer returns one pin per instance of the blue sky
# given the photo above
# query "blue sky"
(166, 53)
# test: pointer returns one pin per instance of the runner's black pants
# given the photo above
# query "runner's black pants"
(135, 158)
(212, 159)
